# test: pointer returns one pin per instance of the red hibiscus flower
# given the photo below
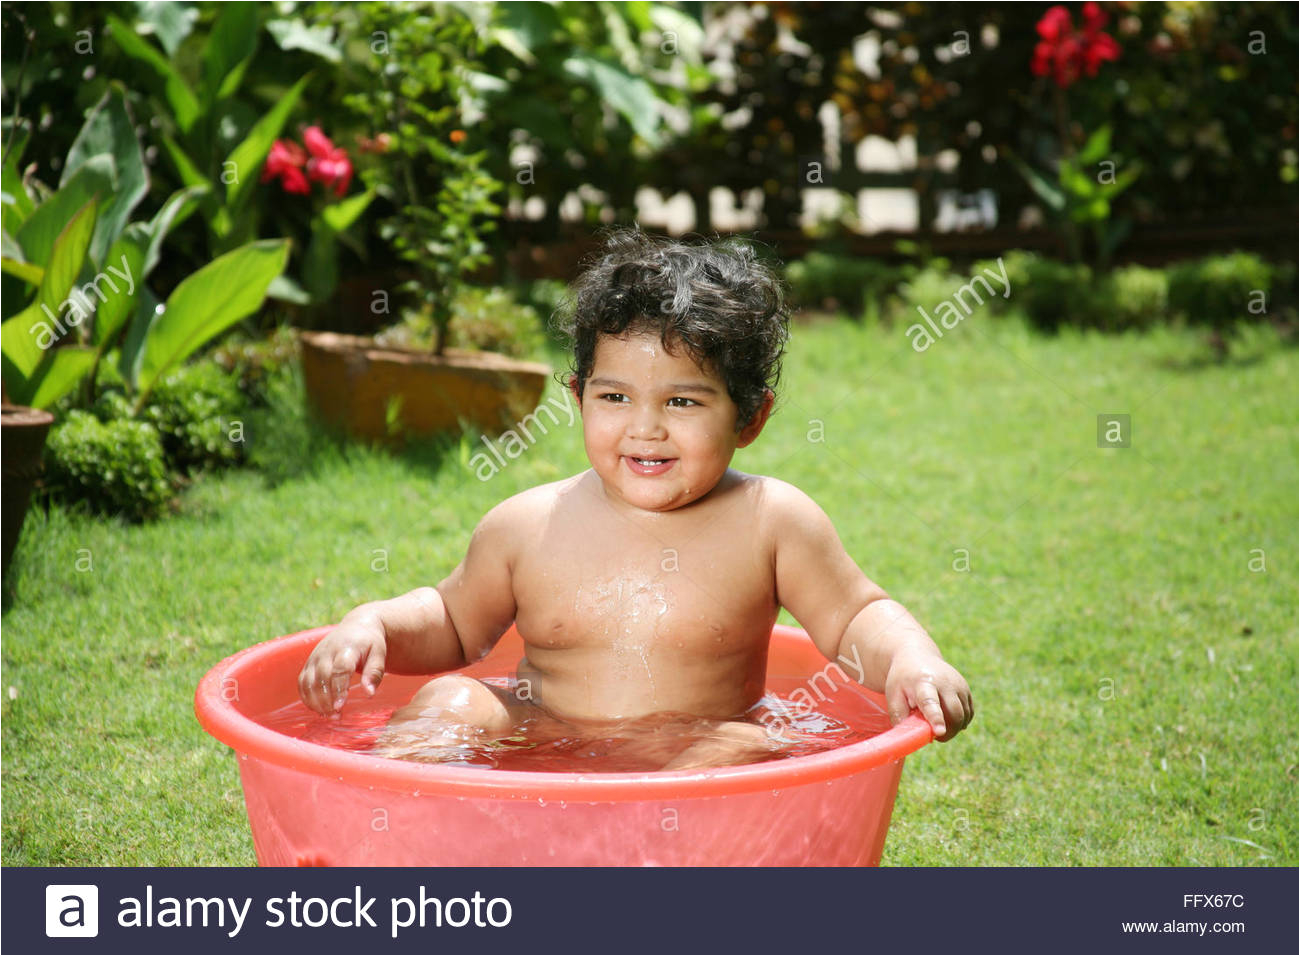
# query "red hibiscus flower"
(1065, 53)
(329, 164)
(285, 161)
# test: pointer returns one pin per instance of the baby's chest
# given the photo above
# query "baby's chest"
(712, 610)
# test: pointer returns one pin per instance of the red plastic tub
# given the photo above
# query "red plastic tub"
(311, 805)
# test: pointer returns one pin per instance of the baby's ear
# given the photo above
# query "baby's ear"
(573, 387)
(751, 431)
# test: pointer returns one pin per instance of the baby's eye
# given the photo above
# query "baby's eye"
(684, 402)
(614, 397)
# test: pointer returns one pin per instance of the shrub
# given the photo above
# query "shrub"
(114, 467)
(1135, 298)
(482, 319)
(928, 288)
(1019, 266)
(1217, 291)
(1054, 294)
(251, 365)
(826, 280)
(193, 409)
(491, 320)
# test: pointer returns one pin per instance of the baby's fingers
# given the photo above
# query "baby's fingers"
(373, 672)
(926, 698)
(344, 666)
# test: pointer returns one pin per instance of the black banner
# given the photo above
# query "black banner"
(156, 910)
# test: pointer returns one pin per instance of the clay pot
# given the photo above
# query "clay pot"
(23, 432)
(351, 384)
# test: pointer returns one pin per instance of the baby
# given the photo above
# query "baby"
(650, 582)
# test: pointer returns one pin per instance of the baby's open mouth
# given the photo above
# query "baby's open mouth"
(649, 466)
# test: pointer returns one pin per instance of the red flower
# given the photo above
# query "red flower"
(1064, 53)
(329, 164)
(458, 136)
(285, 160)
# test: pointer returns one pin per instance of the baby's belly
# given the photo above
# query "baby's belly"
(583, 683)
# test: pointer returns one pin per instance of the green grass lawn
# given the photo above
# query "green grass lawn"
(1127, 622)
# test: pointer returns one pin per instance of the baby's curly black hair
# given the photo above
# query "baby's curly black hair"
(716, 297)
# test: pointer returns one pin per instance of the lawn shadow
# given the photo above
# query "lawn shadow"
(1247, 346)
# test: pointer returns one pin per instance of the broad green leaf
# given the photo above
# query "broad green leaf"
(24, 270)
(18, 206)
(320, 262)
(249, 155)
(174, 211)
(60, 372)
(284, 289)
(338, 216)
(19, 343)
(296, 35)
(686, 30)
(1096, 148)
(109, 129)
(229, 50)
(630, 95)
(1048, 192)
(148, 311)
(37, 235)
(185, 167)
(169, 21)
(13, 154)
(66, 259)
(158, 72)
(206, 304)
(126, 259)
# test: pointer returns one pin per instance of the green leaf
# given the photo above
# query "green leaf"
(206, 304)
(249, 155)
(109, 129)
(229, 50)
(174, 211)
(630, 95)
(1048, 192)
(169, 21)
(126, 257)
(147, 313)
(24, 270)
(37, 235)
(185, 167)
(18, 206)
(340, 215)
(296, 35)
(66, 259)
(59, 374)
(18, 342)
(1096, 148)
(159, 73)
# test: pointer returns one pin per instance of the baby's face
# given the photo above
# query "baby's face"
(659, 430)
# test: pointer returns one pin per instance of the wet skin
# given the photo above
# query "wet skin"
(648, 583)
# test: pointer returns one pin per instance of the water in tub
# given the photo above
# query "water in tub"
(803, 717)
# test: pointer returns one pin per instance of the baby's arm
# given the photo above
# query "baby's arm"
(855, 623)
(425, 631)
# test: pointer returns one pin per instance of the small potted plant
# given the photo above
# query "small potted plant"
(442, 206)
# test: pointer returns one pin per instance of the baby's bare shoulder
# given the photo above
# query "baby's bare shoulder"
(529, 508)
(782, 503)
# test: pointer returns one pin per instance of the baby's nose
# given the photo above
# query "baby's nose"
(647, 422)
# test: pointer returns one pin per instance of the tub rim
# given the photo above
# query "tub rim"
(249, 739)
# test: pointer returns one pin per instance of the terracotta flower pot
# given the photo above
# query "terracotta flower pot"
(352, 383)
(24, 431)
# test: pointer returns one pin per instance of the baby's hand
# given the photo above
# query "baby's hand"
(923, 680)
(352, 645)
